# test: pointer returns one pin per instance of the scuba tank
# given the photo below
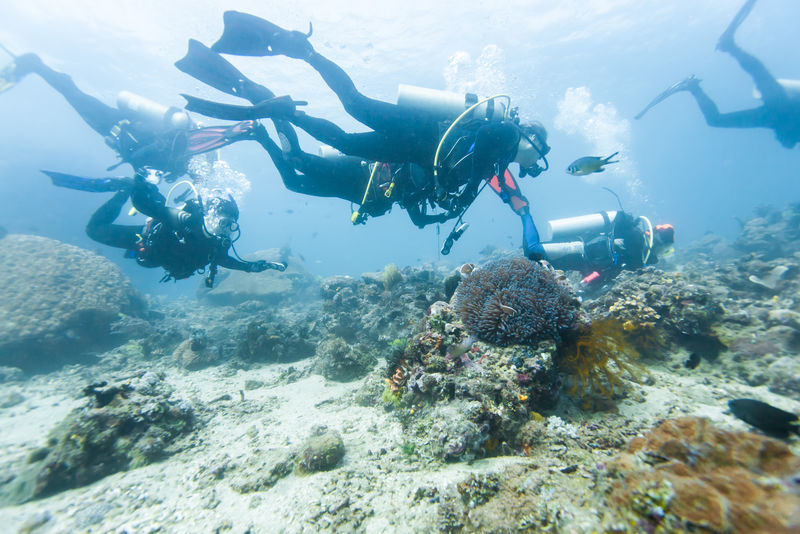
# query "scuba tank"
(148, 111)
(446, 105)
(792, 88)
(572, 227)
(566, 256)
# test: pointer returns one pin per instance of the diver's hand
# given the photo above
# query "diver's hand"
(262, 265)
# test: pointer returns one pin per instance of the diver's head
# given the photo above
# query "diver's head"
(664, 239)
(532, 147)
(221, 215)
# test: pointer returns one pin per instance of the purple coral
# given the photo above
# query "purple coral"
(515, 301)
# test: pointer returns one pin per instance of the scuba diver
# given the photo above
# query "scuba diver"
(477, 146)
(144, 134)
(601, 245)
(780, 110)
(374, 186)
(181, 241)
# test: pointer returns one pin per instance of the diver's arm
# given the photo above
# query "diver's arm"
(249, 266)
(146, 198)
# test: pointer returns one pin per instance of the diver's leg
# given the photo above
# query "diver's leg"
(408, 128)
(341, 177)
(373, 146)
(767, 85)
(101, 228)
(100, 117)
(751, 118)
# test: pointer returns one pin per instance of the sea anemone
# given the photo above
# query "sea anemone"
(515, 301)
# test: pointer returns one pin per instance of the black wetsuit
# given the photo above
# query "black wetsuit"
(404, 138)
(175, 239)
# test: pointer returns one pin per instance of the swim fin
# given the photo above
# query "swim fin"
(278, 107)
(202, 63)
(682, 85)
(92, 185)
(210, 138)
(726, 39)
(248, 35)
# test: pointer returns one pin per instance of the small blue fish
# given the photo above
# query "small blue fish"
(589, 164)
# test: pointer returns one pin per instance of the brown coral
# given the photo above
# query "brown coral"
(687, 475)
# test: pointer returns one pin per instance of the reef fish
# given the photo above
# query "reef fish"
(769, 419)
(692, 361)
(589, 164)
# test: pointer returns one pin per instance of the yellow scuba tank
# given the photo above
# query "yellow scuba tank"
(149, 111)
(446, 105)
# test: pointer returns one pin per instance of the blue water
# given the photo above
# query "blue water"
(583, 68)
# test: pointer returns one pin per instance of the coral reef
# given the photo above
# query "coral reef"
(459, 399)
(124, 426)
(366, 311)
(687, 475)
(337, 360)
(662, 309)
(514, 302)
(63, 307)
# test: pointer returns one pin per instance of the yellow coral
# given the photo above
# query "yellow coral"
(599, 357)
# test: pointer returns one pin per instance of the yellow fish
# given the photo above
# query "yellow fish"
(589, 164)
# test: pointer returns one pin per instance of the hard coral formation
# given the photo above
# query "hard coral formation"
(689, 476)
(515, 301)
(459, 399)
(662, 308)
(61, 308)
(124, 426)
(337, 360)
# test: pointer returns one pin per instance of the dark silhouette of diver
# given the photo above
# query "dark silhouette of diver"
(144, 134)
(780, 111)
(181, 241)
(351, 178)
(479, 149)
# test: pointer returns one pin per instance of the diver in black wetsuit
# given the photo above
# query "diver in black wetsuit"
(144, 134)
(780, 111)
(478, 149)
(182, 241)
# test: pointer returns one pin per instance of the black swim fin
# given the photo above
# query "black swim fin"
(92, 185)
(248, 35)
(202, 63)
(279, 107)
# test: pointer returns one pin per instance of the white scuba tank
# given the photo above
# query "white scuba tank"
(792, 88)
(147, 110)
(448, 105)
(573, 227)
